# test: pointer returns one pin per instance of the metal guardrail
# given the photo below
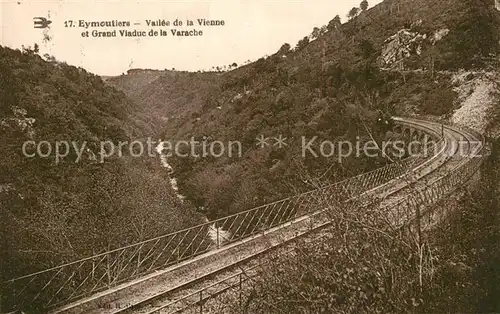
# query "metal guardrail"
(400, 213)
(404, 210)
(65, 283)
(200, 296)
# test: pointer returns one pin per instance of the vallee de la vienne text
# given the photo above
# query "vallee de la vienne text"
(156, 27)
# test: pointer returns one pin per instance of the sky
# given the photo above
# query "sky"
(252, 29)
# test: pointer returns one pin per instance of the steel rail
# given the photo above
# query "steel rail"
(465, 136)
(116, 268)
(186, 285)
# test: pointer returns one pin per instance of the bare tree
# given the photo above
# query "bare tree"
(323, 30)
(302, 43)
(364, 5)
(353, 13)
(285, 48)
(315, 33)
(335, 23)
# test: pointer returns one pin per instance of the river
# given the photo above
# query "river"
(212, 231)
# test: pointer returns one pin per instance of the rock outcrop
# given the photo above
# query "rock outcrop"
(19, 122)
(402, 45)
(406, 43)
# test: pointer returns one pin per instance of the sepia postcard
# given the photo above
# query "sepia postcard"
(231, 156)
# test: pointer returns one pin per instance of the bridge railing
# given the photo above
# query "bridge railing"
(71, 281)
(423, 197)
(400, 213)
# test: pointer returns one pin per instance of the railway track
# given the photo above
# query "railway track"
(175, 272)
(196, 293)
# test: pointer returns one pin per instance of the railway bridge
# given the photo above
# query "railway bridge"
(150, 276)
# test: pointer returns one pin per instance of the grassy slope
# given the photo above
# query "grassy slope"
(326, 88)
(352, 276)
(296, 95)
(167, 96)
(53, 213)
(343, 272)
(467, 251)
